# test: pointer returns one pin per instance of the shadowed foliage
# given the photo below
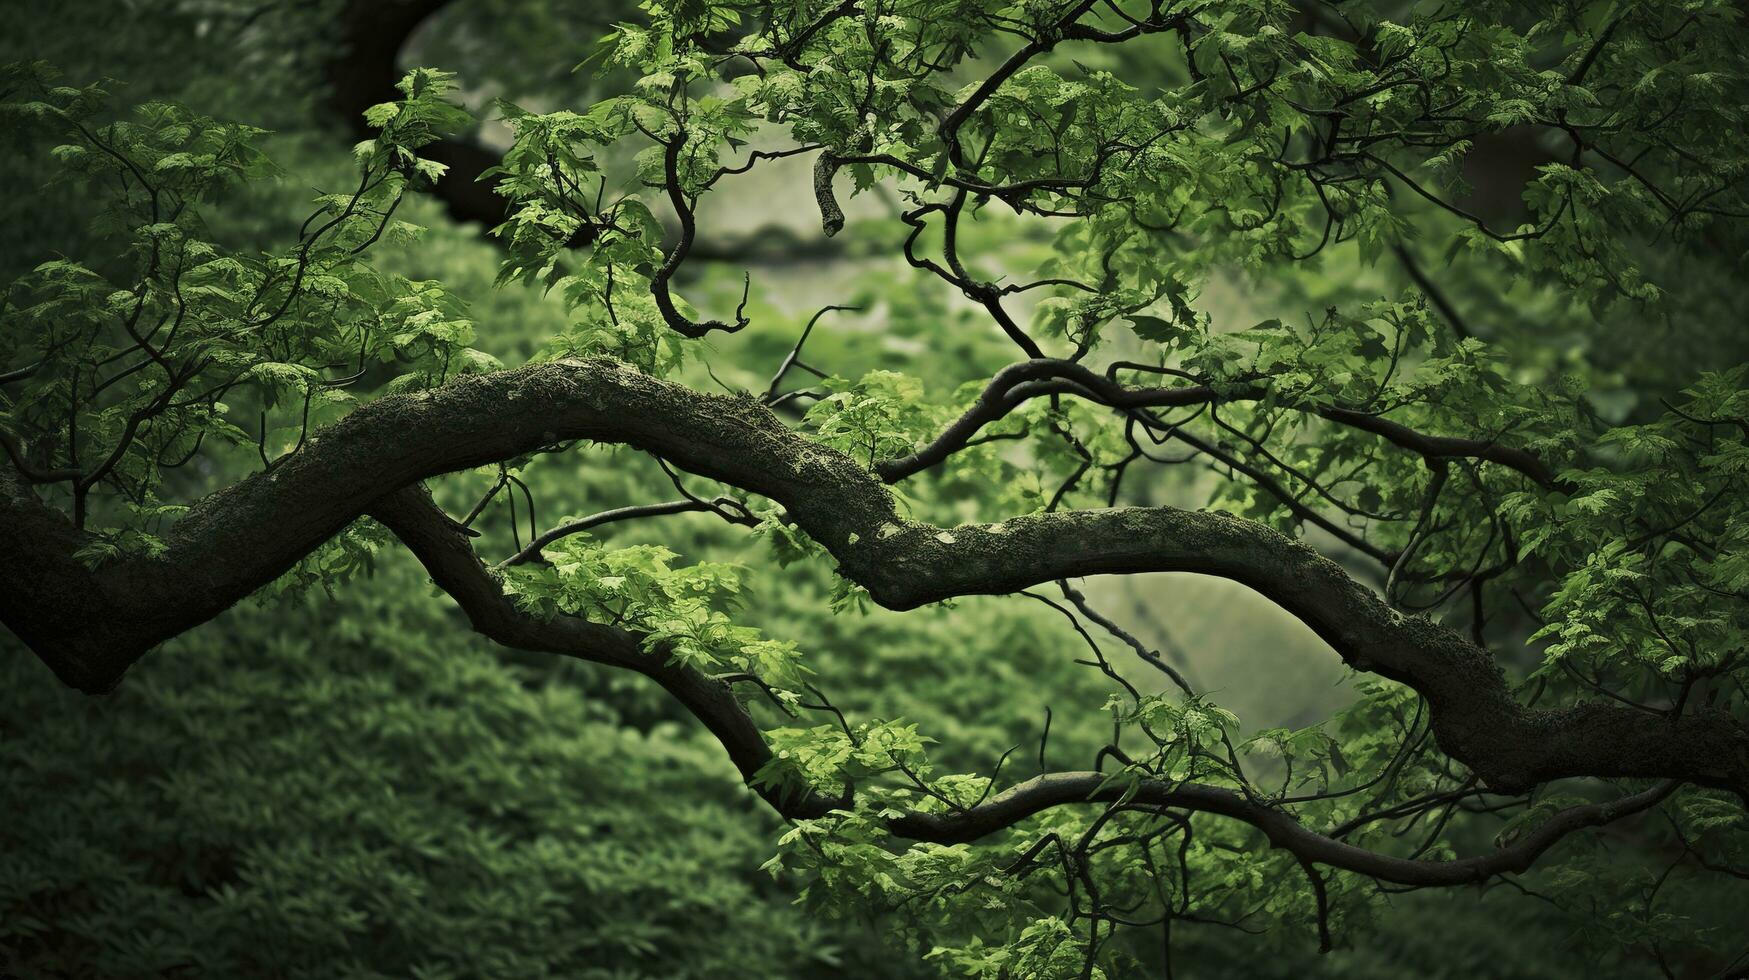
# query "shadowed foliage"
(645, 588)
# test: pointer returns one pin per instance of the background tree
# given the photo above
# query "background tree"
(1230, 289)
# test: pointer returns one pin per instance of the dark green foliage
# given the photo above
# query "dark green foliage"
(365, 790)
(1498, 390)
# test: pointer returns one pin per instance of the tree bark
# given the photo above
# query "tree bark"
(90, 625)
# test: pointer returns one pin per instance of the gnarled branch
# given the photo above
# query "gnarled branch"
(90, 625)
(1023, 381)
(450, 559)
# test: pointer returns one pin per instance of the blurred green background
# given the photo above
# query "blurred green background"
(356, 785)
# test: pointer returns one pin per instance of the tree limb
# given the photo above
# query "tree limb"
(90, 625)
(1025, 380)
(450, 559)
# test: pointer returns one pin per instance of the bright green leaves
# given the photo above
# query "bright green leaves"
(1046, 947)
(670, 29)
(601, 255)
(849, 860)
(424, 115)
(138, 531)
(631, 330)
(1170, 190)
(429, 329)
(165, 152)
(547, 175)
(183, 346)
(1650, 543)
(777, 662)
(880, 416)
(858, 89)
(850, 865)
(636, 587)
(828, 757)
(1310, 757)
(1183, 729)
(682, 612)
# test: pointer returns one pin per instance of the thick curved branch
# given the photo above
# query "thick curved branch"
(457, 570)
(446, 554)
(90, 625)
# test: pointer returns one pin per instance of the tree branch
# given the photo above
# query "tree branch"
(90, 625)
(1025, 380)
(450, 559)
(1283, 831)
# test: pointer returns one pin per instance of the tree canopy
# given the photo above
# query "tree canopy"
(847, 369)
